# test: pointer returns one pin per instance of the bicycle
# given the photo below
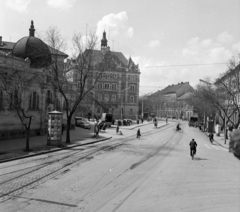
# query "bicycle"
(175, 130)
(193, 152)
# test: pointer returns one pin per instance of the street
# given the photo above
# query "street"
(153, 173)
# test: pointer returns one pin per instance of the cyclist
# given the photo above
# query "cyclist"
(178, 127)
(193, 147)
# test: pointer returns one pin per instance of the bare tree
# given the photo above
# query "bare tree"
(76, 79)
(16, 96)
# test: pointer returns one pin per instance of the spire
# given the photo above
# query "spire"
(104, 40)
(31, 30)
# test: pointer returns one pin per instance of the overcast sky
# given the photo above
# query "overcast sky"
(169, 34)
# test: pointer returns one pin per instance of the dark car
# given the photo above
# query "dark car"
(234, 144)
(192, 121)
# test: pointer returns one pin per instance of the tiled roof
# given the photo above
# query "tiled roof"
(118, 56)
(185, 96)
(172, 88)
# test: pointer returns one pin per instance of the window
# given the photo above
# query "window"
(107, 76)
(14, 100)
(78, 84)
(106, 86)
(49, 97)
(131, 111)
(98, 110)
(132, 87)
(99, 97)
(1, 99)
(99, 85)
(132, 99)
(114, 86)
(113, 98)
(34, 101)
(106, 97)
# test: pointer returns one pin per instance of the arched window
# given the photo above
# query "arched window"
(34, 101)
(49, 97)
(14, 100)
(1, 99)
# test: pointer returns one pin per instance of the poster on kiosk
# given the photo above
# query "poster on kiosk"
(54, 128)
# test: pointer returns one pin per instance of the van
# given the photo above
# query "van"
(193, 121)
(107, 118)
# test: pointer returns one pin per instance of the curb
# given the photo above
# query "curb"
(53, 150)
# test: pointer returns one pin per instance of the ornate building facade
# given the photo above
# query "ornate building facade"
(24, 79)
(117, 89)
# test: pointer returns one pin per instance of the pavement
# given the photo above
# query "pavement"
(219, 140)
(13, 149)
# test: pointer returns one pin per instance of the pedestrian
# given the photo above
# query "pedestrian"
(138, 121)
(142, 120)
(117, 129)
(97, 131)
(63, 128)
(211, 137)
(166, 120)
(138, 133)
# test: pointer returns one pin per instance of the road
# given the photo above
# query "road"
(153, 173)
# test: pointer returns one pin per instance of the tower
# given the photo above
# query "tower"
(104, 41)
(31, 30)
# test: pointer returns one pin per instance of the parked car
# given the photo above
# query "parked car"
(84, 124)
(234, 144)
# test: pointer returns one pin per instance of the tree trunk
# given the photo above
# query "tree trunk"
(68, 141)
(27, 140)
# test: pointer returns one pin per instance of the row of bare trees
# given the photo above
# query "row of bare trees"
(220, 99)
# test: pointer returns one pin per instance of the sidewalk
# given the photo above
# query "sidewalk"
(13, 149)
(219, 140)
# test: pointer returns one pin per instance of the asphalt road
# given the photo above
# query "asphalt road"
(153, 173)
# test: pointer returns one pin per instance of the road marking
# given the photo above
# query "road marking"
(224, 149)
(207, 146)
(215, 147)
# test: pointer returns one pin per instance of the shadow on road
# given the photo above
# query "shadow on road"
(198, 158)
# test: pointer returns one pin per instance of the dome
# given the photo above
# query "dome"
(33, 48)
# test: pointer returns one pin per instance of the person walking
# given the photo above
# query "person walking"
(166, 120)
(63, 128)
(117, 129)
(211, 137)
(138, 133)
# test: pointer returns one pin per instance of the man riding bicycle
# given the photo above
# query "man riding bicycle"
(193, 147)
(178, 127)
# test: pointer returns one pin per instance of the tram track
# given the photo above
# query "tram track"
(14, 183)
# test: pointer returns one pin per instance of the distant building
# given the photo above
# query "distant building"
(171, 101)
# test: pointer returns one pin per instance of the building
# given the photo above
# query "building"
(26, 62)
(117, 90)
(171, 102)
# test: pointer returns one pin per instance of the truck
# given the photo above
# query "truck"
(107, 118)
(193, 121)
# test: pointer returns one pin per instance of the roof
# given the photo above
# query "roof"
(6, 45)
(118, 56)
(172, 88)
(185, 96)
(34, 49)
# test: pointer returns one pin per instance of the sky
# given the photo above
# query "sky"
(173, 41)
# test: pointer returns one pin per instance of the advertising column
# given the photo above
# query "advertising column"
(54, 128)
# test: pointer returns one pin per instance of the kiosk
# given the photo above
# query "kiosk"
(54, 137)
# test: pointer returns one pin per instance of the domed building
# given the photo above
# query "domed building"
(22, 63)
(34, 49)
